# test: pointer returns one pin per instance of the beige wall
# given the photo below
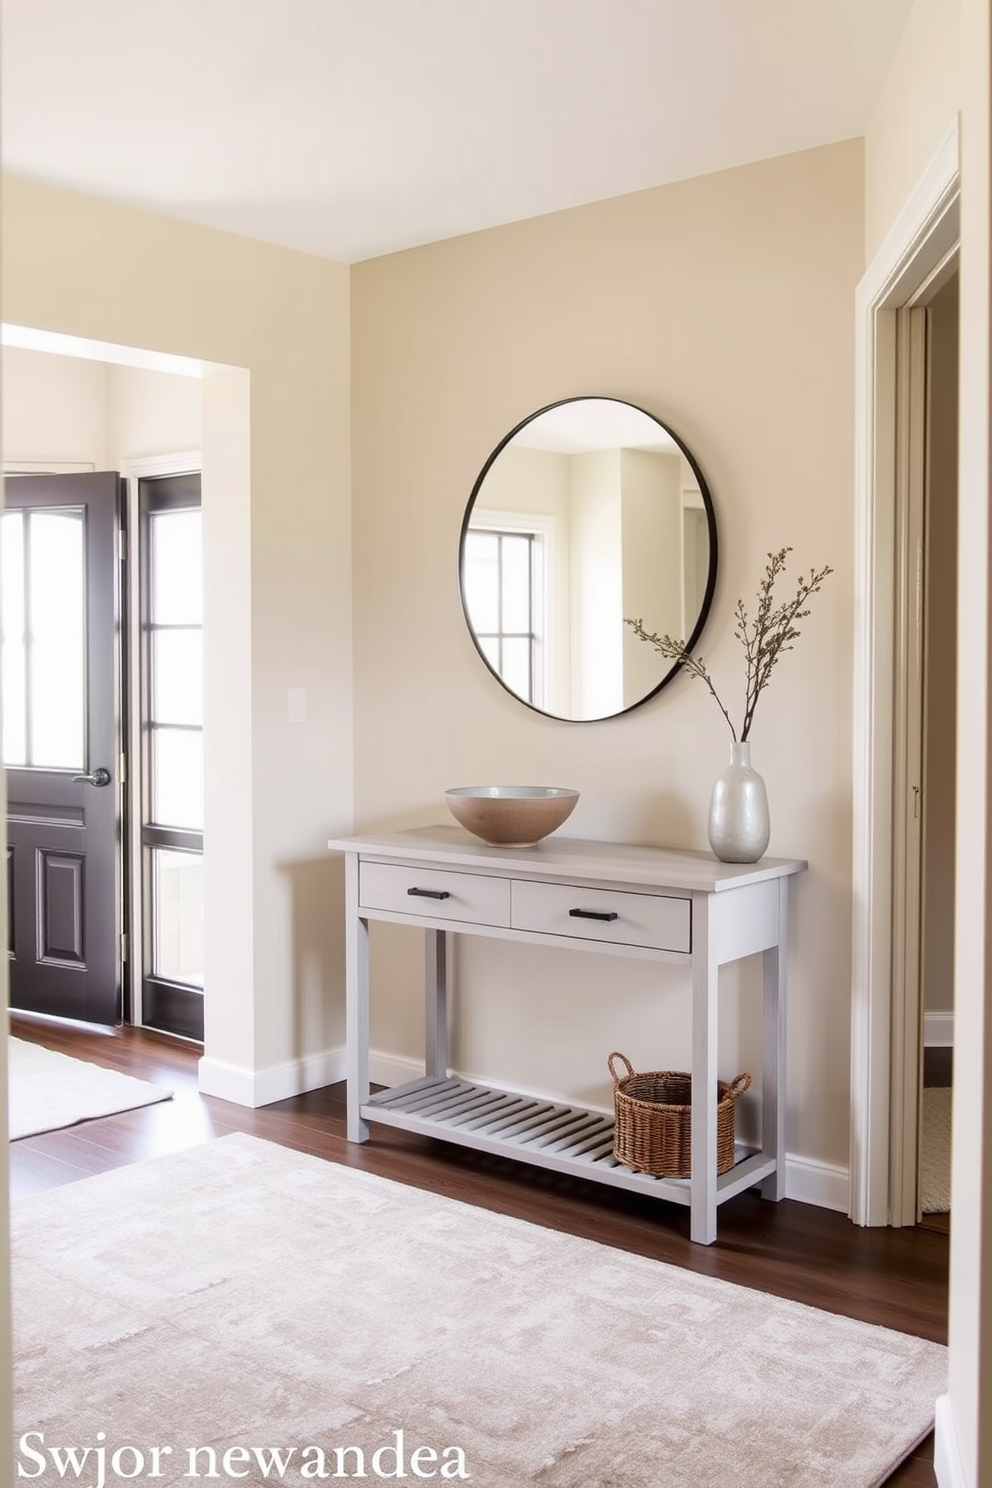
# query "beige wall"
(54, 409)
(723, 306)
(60, 409)
(151, 413)
(940, 666)
(916, 108)
(277, 528)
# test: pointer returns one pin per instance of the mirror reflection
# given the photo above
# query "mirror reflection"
(588, 512)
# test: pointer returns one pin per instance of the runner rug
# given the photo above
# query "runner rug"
(935, 1150)
(48, 1090)
(240, 1312)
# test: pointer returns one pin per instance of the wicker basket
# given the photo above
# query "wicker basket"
(653, 1131)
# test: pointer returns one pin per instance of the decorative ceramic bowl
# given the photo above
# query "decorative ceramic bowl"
(511, 815)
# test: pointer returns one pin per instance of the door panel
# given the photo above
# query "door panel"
(60, 908)
(61, 741)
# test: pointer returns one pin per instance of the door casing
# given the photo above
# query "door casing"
(917, 257)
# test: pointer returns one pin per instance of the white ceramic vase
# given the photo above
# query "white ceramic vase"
(739, 827)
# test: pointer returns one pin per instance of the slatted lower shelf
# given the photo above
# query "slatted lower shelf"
(567, 1139)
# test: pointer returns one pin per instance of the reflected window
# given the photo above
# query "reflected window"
(503, 579)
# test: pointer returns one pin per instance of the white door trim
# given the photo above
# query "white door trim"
(919, 249)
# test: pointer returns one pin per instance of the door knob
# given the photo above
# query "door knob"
(100, 776)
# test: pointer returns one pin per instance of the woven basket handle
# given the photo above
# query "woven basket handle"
(629, 1070)
(739, 1086)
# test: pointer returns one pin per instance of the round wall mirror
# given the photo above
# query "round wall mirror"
(589, 513)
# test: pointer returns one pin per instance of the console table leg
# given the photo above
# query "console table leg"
(704, 1077)
(773, 1055)
(436, 1003)
(357, 1005)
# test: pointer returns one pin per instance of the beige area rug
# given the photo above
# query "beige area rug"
(49, 1090)
(240, 1300)
(935, 1150)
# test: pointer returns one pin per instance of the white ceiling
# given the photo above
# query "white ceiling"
(351, 128)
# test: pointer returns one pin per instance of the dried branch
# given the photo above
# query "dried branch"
(765, 639)
(676, 651)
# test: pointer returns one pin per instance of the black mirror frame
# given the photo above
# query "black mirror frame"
(707, 601)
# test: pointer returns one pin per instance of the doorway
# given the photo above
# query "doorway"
(917, 259)
(939, 774)
(59, 406)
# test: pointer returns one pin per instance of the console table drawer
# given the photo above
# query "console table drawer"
(436, 893)
(620, 918)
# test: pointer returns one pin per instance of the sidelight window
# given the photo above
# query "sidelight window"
(172, 753)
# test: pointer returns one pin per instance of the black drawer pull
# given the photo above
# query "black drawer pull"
(430, 893)
(593, 914)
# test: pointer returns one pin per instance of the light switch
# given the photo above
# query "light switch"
(296, 705)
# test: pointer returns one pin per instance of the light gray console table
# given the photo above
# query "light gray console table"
(677, 907)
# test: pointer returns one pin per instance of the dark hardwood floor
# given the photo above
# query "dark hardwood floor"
(896, 1278)
(938, 1066)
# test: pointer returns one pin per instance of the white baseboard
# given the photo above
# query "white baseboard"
(827, 1185)
(246, 1087)
(809, 1182)
(947, 1465)
(230, 1082)
(938, 1030)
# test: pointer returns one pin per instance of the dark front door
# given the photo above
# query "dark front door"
(61, 743)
